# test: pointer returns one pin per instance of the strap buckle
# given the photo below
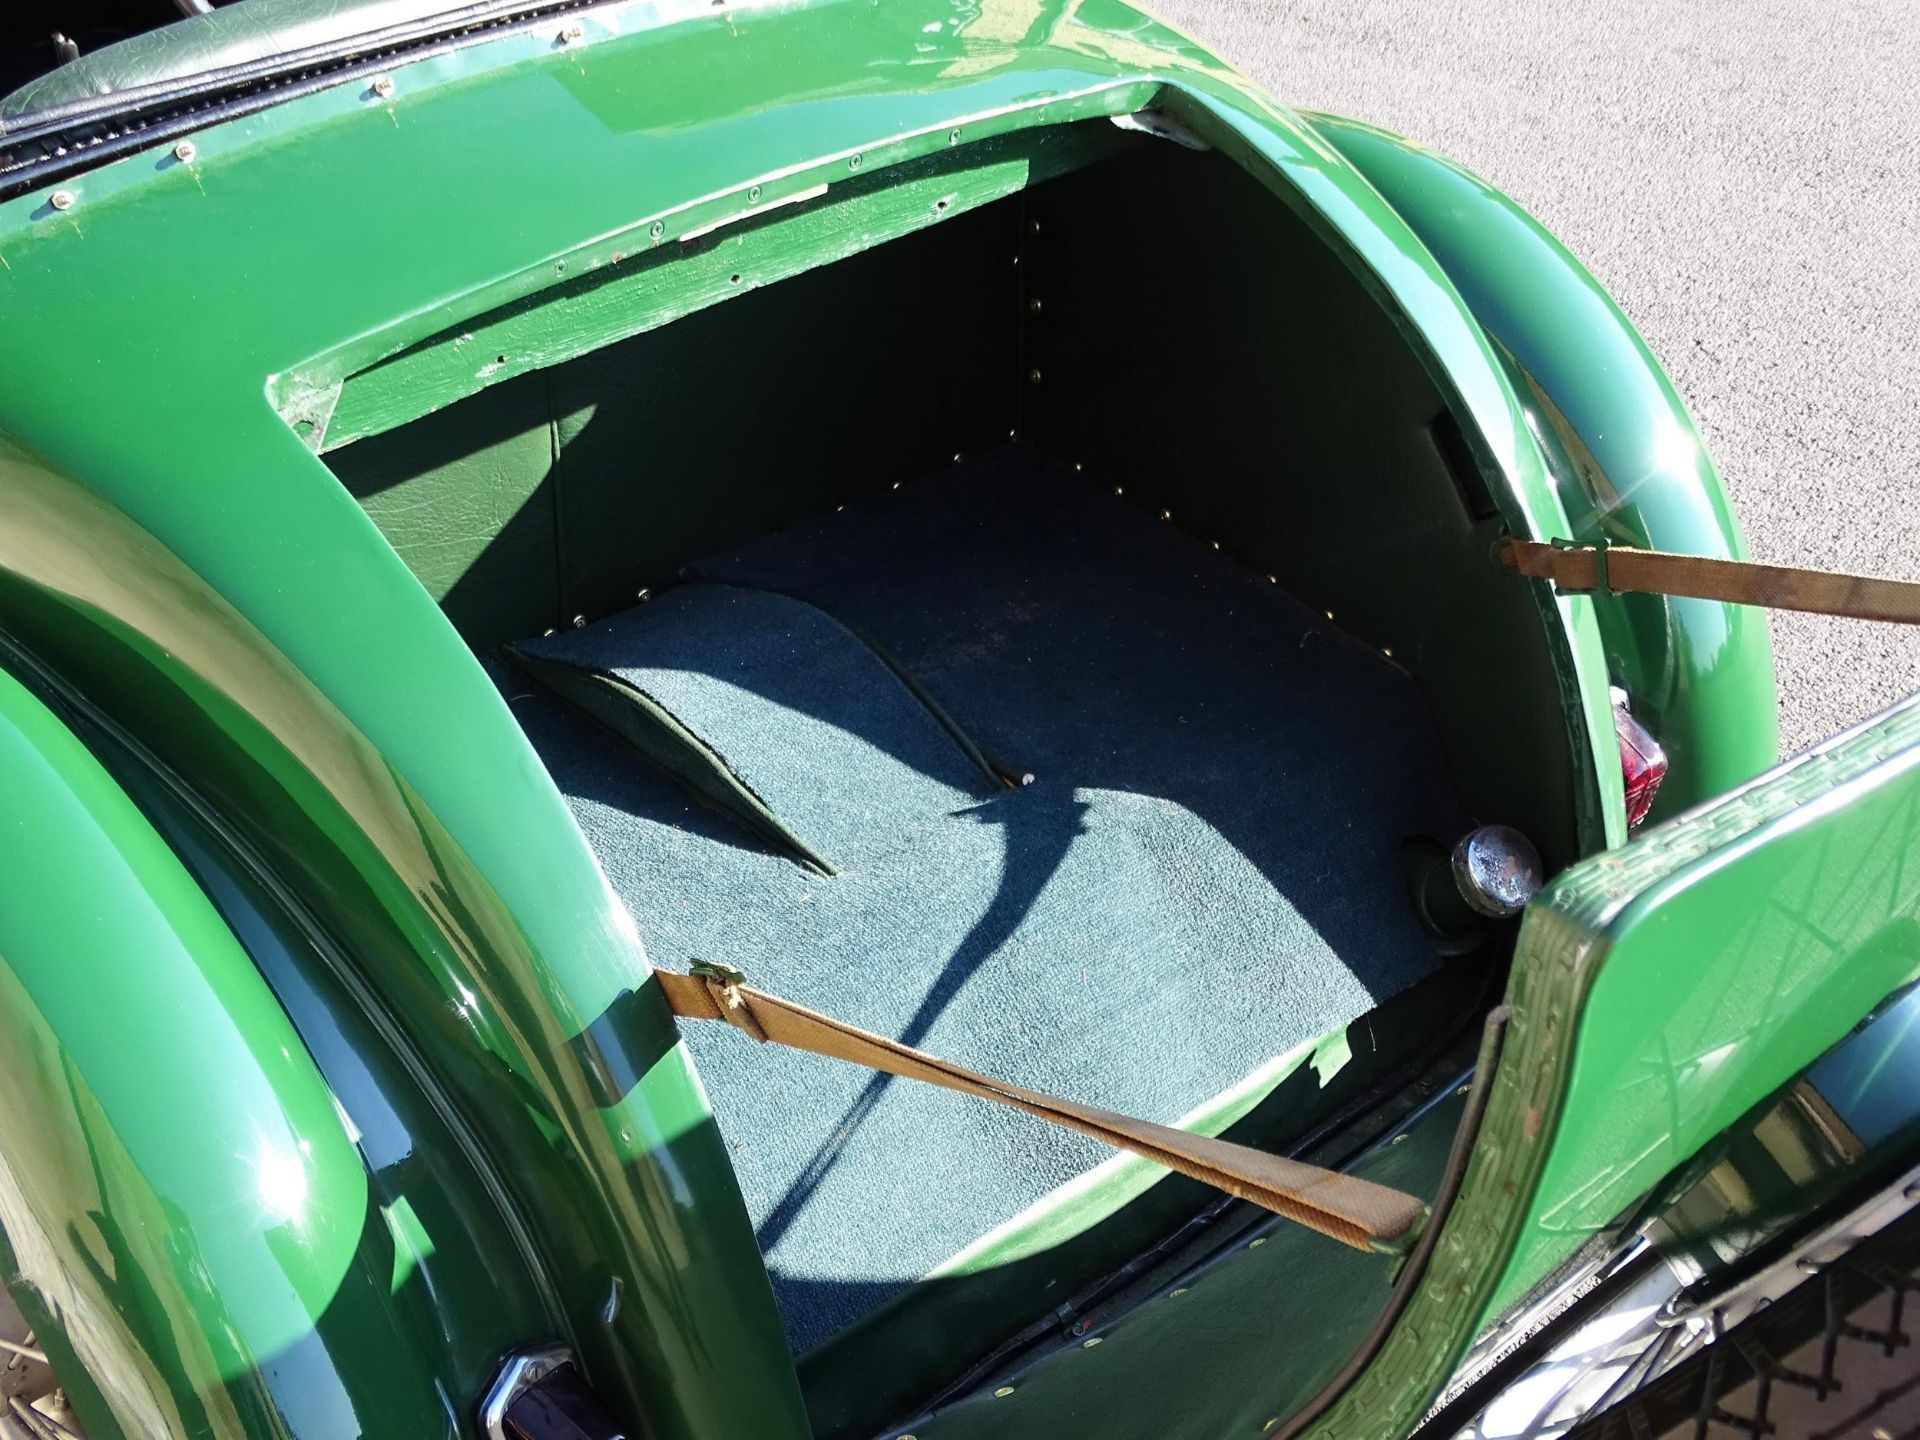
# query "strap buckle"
(714, 970)
(1601, 584)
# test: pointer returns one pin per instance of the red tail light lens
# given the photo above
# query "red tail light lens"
(1643, 764)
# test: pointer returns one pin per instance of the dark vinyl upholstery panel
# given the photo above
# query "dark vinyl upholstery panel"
(1202, 346)
(563, 493)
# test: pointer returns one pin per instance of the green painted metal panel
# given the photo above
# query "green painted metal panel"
(180, 1199)
(177, 544)
(1767, 926)
(1659, 991)
(639, 1234)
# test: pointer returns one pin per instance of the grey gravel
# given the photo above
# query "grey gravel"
(1745, 179)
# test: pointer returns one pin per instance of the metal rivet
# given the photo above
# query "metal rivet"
(1329, 614)
(1034, 304)
(1034, 225)
(1270, 1426)
(578, 621)
(643, 594)
(1034, 376)
(1214, 543)
(953, 137)
(1172, 1294)
(1466, 1089)
(1273, 579)
(1256, 1242)
(1399, 1139)
(1387, 650)
(853, 162)
(1166, 514)
(184, 152)
(896, 485)
(753, 195)
(1090, 1342)
(657, 229)
(958, 457)
(63, 200)
(547, 631)
(1013, 434)
(1119, 490)
(1003, 1392)
(382, 86)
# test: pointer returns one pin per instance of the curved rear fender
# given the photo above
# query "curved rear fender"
(579, 1119)
(1627, 459)
(180, 1198)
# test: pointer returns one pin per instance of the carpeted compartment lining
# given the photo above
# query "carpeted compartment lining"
(1204, 872)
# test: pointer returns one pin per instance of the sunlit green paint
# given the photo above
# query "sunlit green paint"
(176, 1184)
(1632, 466)
(164, 511)
(1659, 991)
(1768, 926)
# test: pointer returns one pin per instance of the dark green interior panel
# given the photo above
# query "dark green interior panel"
(1199, 345)
(465, 496)
(566, 491)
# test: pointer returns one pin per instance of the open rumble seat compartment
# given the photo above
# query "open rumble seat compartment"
(1038, 638)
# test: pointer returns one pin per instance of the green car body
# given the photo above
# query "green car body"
(438, 1114)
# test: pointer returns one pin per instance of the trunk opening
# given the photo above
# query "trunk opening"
(1047, 637)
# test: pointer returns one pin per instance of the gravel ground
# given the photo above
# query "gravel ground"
(1745, 179)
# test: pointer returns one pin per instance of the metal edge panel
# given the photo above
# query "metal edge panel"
(1633, 469)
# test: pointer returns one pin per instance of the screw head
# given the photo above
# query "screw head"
(1034, 376)
(382, 87)
(572, 35)
(657, 229)
(753, 195)
(1003, 1392)
(61, 199)
(853, 162)
(184, 152)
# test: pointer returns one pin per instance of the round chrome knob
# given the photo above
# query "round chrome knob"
(1497, 869)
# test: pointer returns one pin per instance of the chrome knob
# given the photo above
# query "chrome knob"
(1497, 870)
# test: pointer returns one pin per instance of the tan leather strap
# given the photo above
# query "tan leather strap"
(1620, 568)
(1349, 1209)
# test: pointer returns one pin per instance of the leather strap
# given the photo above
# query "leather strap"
(1620, 568)
(1358, 1212)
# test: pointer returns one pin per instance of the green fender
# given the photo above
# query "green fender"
(1629, 464)
(179, 1196)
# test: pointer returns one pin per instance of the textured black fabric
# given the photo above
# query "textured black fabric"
(1203, 873)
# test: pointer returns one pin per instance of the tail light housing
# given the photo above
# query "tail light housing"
(1643, 764)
